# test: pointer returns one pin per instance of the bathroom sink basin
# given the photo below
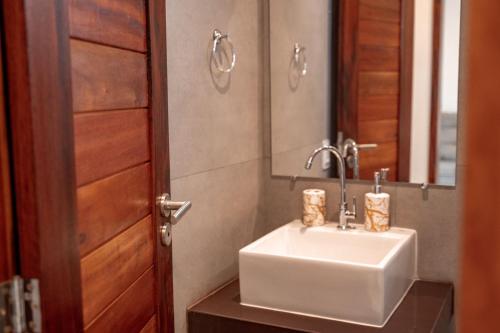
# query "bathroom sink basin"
(354, 276)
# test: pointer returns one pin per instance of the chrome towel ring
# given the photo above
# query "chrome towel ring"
(298, 53)
(217, 41)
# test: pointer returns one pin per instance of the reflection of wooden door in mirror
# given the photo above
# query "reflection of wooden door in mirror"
(376, 43)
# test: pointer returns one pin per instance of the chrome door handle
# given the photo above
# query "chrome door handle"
(166, 207)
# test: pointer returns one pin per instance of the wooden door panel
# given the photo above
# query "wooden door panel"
(150, 326)
(372, 32)
(120, 23)
(111, 269)
(131, 311)
(380, 10)
(378, 83)
(107, 78)
(109, 142)
(378, 131)
(121, 163)
(107, 207)
(378, 107)
(378, 58)
(113, 137)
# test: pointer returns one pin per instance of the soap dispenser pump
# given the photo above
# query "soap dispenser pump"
(377, 205)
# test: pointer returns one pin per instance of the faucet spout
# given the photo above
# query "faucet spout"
(344, 214)
(309, 162)
(340, 165)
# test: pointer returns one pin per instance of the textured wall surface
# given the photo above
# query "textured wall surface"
(216, 143)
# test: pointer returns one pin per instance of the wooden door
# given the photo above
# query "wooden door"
(87, 90)
(6, 226)
(373, 99)
(114, 134)
(480, 279)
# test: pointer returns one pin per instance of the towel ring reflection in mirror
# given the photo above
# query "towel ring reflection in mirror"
(299, 56)
(218, 37)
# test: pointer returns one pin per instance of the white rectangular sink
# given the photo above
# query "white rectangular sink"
(354, 276)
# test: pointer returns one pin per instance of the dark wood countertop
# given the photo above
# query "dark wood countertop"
(428, 307)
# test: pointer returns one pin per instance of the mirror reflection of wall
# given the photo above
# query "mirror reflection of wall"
(300, 81)
(381, 73)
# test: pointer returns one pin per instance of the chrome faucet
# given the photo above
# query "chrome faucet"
(344, 215)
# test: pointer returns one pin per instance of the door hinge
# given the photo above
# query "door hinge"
(20, 306)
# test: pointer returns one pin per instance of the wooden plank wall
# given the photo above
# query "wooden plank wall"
(373, 63)
(113, 164)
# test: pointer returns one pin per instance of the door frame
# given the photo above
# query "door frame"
(41, 124)
(7, 269)
(406, 89)
(435, 80)
(39, 100)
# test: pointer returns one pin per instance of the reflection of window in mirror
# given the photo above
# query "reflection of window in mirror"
(444, 102)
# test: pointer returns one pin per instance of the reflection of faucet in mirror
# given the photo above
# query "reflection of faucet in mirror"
(298, 53)
(350, 146)
(344, 215)
(350, 152)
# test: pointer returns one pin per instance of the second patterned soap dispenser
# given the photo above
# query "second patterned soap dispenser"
(377, 205)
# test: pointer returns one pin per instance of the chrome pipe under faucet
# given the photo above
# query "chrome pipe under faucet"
(344, 214)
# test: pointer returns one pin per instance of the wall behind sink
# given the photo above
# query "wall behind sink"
(436, 214)
(216, 143)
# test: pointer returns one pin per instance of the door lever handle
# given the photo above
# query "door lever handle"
(167, 206)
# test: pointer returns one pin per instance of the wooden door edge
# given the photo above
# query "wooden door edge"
(160, 156)
(436, 52)
(406, 86)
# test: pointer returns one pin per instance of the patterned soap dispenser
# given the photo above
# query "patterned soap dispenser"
(377, 205)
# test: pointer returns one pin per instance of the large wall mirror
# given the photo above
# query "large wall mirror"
(376, 79)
